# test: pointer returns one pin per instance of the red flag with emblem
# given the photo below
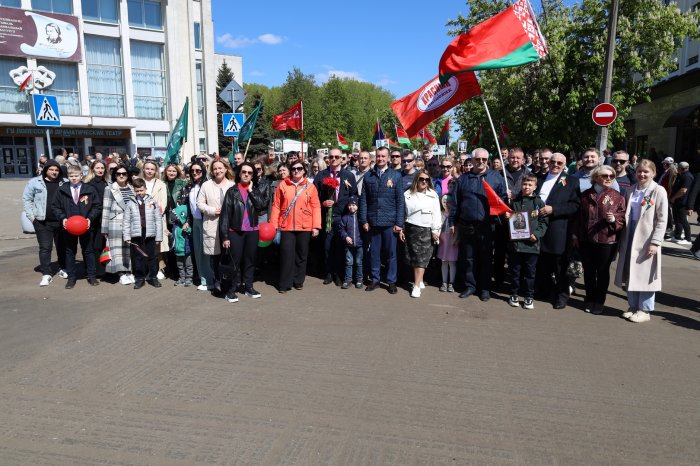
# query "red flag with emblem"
(291, 119)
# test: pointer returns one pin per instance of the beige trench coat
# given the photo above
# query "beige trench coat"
(645, 270)
(210, 198)
(160, 194)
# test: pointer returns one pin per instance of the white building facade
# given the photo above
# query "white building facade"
(138, 62)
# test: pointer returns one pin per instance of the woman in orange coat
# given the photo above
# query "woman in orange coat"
(296, 211)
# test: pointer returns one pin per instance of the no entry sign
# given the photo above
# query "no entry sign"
(604, 114)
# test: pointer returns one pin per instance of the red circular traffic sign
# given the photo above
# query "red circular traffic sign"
(604, 114)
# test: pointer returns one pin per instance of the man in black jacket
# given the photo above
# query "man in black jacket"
(78, 198)
(560, 195)
(333, 204)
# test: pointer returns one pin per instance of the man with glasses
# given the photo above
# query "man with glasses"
(382, 215)
(591, 160)
(334, 203)
(560, 193)
(625, 179)
(469, 211)
(395, 159)
(408, 162)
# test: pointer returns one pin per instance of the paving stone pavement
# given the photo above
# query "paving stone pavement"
(172, 376)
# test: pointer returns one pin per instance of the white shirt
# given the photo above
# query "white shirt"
(547, 186)
(423, 209)
(194, 192)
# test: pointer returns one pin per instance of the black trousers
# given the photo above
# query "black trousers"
(333, 253)
(522, 267)
(596, 260)
(144, 268)
(86, 246)
(294, 249)
(476, 242)
(548, 266)
(500, 243)
(680, 219)
(49, 233)
(244, 250)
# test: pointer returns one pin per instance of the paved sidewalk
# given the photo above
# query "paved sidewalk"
(172, 376)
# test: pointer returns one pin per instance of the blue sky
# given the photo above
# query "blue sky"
(396, 45)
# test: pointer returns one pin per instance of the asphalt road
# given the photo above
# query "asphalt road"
(172, 376)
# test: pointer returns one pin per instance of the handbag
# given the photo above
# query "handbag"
(278, 235)
(105, 256)
(228, 268)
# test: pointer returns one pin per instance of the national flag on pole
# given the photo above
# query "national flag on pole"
(444, 137)
(249, 124)
(429, 137)
(415, 111)
(24, 84)
(478, 140)
(378, 133)
(291, 119)
(402, 137)
(342, 143)
(496, 204)
(392, 144)
(177, 135)
(504, 134)
(511, 38)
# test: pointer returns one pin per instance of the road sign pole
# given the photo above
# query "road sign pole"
(48, 141)
(607, 73)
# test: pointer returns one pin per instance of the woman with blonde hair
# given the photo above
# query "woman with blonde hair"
(639, 266)
(159, 192)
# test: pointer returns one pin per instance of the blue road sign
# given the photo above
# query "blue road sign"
(46, 112)
(232, 123)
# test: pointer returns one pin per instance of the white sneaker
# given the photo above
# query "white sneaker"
(628, 313)
(683, 242)
(422, 285)
(124, 279)
(202, 287)
(640, 316)
(45, 280)
(415, 292)
(160, 275)
(132, 279)
(62, 273)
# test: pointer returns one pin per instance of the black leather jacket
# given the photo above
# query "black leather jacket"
(233, 205)
(267, 193)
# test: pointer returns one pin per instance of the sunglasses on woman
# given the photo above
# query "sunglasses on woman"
(297, 169)
(196, 170)
(423, 179)
(121, 174)
(607, 177)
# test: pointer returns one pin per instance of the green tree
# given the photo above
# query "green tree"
(549, 103)
(223, 77)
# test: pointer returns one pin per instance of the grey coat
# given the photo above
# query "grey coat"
(113, 207)
(154, 220)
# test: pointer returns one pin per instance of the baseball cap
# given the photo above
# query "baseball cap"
(684, 165)
(667, 160)
(352, 200)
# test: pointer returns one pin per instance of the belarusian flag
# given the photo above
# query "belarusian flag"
(417, 110)
(341, 140)
(402, 137)
(511, 38)
(429, 137)
(378, 133)
(505, 134)
(444, 137)
(392, 144)
(478, 139)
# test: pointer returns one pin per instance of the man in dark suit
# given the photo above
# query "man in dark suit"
(334, 203)
(559, 192)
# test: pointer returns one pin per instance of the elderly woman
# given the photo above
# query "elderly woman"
(597, 228)
(209, 201)
(422, 226)
(639, 267)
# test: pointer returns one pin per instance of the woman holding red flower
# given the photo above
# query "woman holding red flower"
(639, 267)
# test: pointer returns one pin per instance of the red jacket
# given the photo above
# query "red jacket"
(591, 224)
(306, 213)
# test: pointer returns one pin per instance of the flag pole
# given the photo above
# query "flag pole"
(246, 148)
(303, 159)
(498, 146)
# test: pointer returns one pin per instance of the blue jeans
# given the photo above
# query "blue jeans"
(383, 243)
(353, 255)
(641, 300)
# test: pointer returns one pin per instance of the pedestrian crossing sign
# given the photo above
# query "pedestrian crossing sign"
(46, 110)
(232, 123)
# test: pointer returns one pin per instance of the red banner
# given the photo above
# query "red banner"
(291, 119)
(415, 111)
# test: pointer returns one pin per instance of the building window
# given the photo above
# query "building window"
(692, 60)
(11, 101)
(202, 145)
(148, 73)
(197, 36)
(145, 14)
(104, 70)
(53, 6)
(151, 144)
(105, 11)
(13, 3)
(200, 95)
(65, 86)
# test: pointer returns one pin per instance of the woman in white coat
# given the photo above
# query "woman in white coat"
(158, 191)
(209, 202)
(639, 266)
(422, 226)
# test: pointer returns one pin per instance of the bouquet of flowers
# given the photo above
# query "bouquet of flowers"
(331, 185)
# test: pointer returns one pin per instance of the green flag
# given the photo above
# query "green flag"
(177, 135)
(249, 124)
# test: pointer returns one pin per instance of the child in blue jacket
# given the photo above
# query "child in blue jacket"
(349, 230)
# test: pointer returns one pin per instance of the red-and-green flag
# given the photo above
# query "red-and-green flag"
(392, 144)
(511, 38)
(444, 137)
(402, 136)
(478, 139)
(342, 143)
(504, 134)
(429, 137)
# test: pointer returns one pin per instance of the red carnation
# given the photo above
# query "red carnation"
(331, 182)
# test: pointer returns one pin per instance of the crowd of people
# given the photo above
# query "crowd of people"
(390, 216)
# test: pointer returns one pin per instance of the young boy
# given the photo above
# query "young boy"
(350, 233)
(143, 230)
(522, 254)
(78, 198)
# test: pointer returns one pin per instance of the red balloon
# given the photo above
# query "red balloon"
(77, 225)
(267, 232)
